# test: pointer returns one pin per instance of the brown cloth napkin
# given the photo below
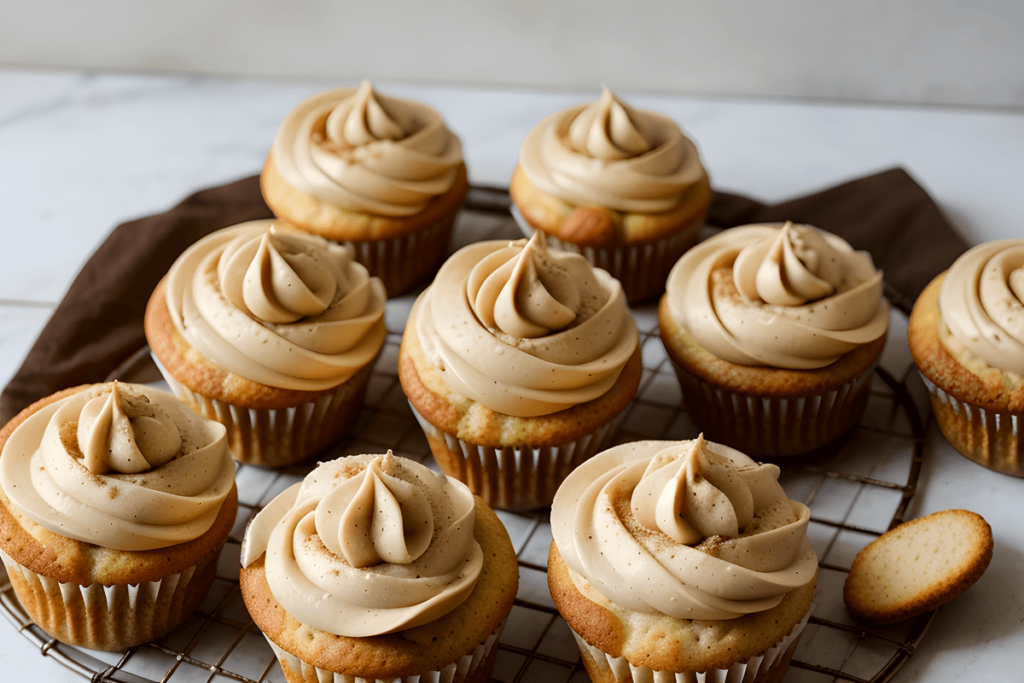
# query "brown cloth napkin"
(98, 325)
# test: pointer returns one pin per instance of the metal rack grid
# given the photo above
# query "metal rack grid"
(858, 489)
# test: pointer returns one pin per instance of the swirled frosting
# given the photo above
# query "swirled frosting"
(691, 529)
(367, 545)
(122, 466)
(523, 330)
(277, 306)
(361, 151)
(982, 305)
(787, 297)
(608, 154)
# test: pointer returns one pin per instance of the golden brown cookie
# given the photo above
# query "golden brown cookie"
(918, 566)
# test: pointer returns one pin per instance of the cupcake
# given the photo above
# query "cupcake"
(676, 559)
(774, 333)
(115, 501)
(967, 338)
(375, 568)
(273, 333)
(517, 361)
(622, 186)
(382, 174)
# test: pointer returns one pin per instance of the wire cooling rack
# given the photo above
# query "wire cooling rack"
(857, 489)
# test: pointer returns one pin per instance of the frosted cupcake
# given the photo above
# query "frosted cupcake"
(967, 338)
(116, 501)
(676, 559)
(380, 173)
(375, 568)
(774, 333)
(517, 361)
(272, 332)
(622, 186)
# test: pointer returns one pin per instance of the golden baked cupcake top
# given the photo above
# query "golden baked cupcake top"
(981, 305)
(361, 151)
(121, 466)
(277, 306)
(523, 330)
(609, 154)
(690, 529)
(787, 297)
(368, 545)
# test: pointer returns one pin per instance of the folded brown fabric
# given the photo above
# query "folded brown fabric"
(98, 325)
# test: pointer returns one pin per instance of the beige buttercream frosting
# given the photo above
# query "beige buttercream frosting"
(982, 307)
(368, 545)
(787, 297)
(523, 330)
(361, 151)
(122, 466)
(608, 154)
(690, 529)
(277, 306)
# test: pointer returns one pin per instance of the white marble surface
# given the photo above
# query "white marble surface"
(83, 152)
(925, 51)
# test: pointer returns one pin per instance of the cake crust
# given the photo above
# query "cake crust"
(601, 226)
(756, 380)
(189, 367)
(308, 213)
(454, 414)
(985, 389)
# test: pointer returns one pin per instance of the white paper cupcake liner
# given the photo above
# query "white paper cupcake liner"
(464, 669)
(988, 438)
(513, 477)
(403, 261)
(275, 438)
(759, 425)
(112, 617)
(641, 268)
(741, 672)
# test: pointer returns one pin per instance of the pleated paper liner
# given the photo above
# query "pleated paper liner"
(113, 617)
(516, 478)
(988, 438)
(277, 438)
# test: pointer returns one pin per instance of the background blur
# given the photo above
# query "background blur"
(911, 51)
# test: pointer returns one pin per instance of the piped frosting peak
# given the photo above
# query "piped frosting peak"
(377, 516)
(361, 151)
(691, 529)
(529, 296)
(787, 296)
(609, 154)
(367, 545)
(608, 130)
(277, 306)
(124, 433)
(122, 466)
(523, 330)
